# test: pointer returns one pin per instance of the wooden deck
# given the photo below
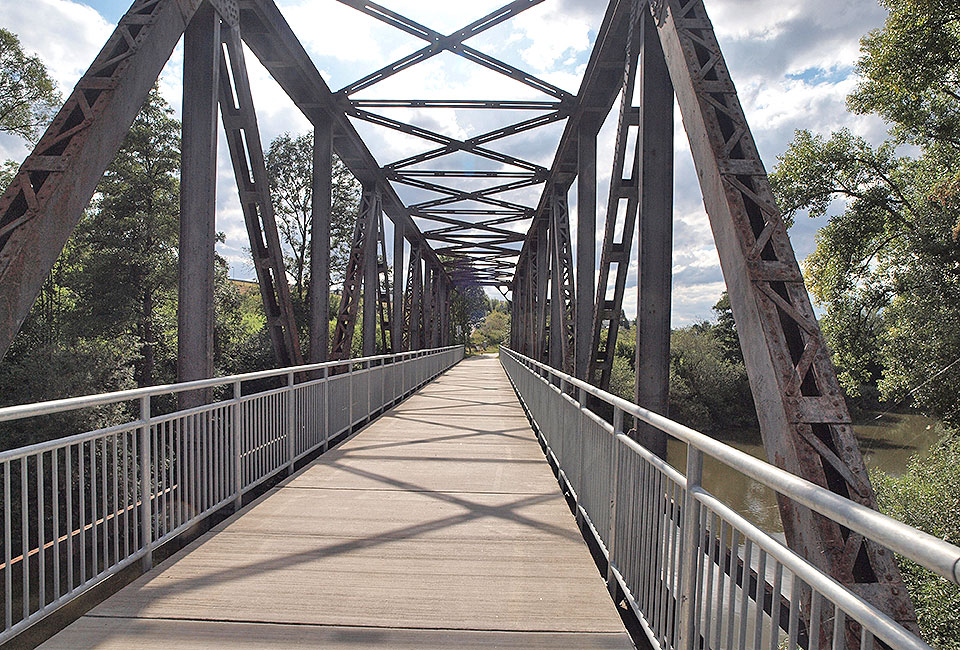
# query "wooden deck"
(439, 525)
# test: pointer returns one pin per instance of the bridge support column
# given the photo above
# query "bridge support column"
(586, 239)
(656, 235)
(556, 307)
(396, 318)
(320, 242)
(198, 200)
(370, 280)
(416, 304)
(539, 330)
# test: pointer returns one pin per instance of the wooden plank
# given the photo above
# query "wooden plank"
(432, 527)
(114, 634)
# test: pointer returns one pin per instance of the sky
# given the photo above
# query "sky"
(793, 64)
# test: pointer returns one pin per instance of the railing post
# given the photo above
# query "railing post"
(350, 387)
(291, 423)
(581, 416)
(369, 365)
(146, 485)
(614, 486)
(237, 451)
(326, 409)
(689, 625)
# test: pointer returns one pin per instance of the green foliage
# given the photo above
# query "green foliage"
(494, 329)
(887, 265)
(911, 72)
(708, 392)
(927, 497)
(124, 261)
(28, 97)
(290, 170)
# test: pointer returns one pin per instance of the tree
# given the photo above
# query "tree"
(494, 329)
(28, 97)
(887, 265)
(126, 244)
(927, 496)
(290, 170)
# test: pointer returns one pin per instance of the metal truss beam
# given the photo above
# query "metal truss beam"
(598, 90)
(615, 255)
(412, 302)
(563, 278)
(364, 231)
(53, 186)
(803, 417)
(453, 43)
(243, 140)
(384, 293)
(269, 36)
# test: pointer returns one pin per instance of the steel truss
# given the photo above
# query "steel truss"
(804, 420)
(368, 216)
(243, 139)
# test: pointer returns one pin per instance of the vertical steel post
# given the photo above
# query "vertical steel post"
(614, 488)
(586, 239)
(416, 304)
(540, 277)
(652, 388)
(396, 318)
(320, 241)
(198, 182)
(556, 307)
(370, 279)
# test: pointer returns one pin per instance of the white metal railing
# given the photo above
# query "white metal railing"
(696, 573)
(79, 509)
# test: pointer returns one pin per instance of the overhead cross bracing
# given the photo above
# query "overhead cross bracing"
(465, 207)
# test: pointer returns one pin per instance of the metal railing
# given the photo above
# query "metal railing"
(696, 573)
(77, 510)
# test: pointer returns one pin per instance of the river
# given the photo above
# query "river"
(887, 443)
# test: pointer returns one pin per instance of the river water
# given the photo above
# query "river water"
(887, 443)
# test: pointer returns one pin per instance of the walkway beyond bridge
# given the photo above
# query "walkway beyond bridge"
(438, 525)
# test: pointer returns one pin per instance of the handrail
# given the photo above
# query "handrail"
(933, 553)
(17, 412)
(79, 508)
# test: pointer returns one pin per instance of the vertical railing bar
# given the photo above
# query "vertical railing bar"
(614, 478)
(94, 541)
(710, 559)
(691, 548)
(732, 587)
(793, 630)
(126, 497)
(55, 496)
(291, 426)
(104, 526)
(839, 624)
(745, 590)
(116, 499)
(775, 605)
(237, 438)
(759, 597)
(326, 409)
(721, 578)
(146, 485)
(41, 549)
(816, 624)
(7, 555)
(68, 484)
(24, 538)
